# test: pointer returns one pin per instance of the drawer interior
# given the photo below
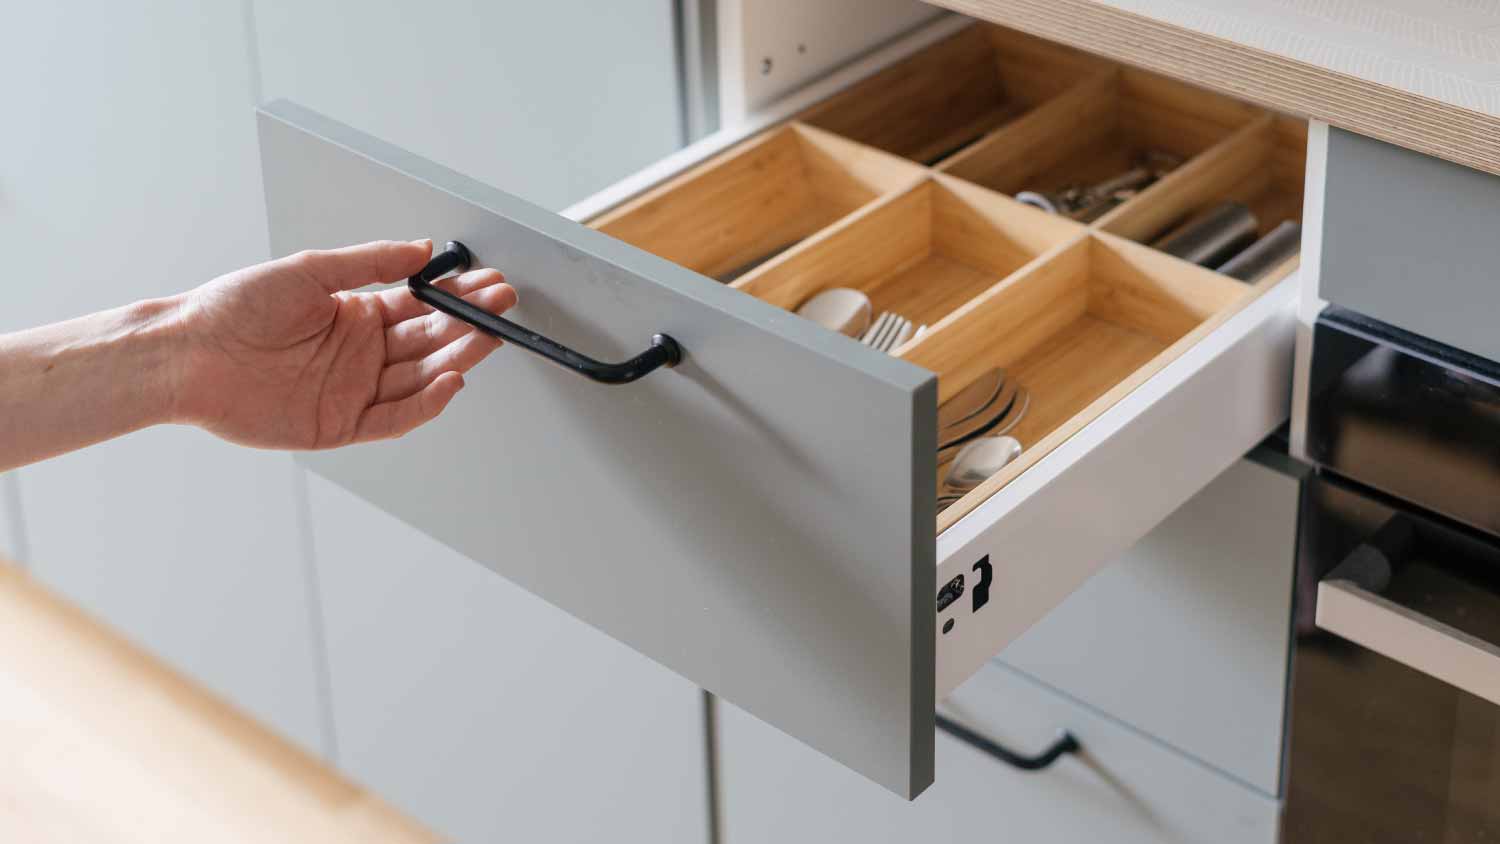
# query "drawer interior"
(1100, 127)
(1072, 329)
(770, 192)
(1262, 165)
(923, 252)
(899, 187)
(954, 93)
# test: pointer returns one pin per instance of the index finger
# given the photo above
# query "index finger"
(398, 305)
(377, 262)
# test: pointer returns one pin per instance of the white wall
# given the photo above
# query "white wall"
(12, 528)
(128, 168)
(549, 101)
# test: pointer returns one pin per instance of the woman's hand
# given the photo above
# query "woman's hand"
(279, 355)
(284, 355)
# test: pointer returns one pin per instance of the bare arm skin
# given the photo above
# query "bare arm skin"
(279, 355)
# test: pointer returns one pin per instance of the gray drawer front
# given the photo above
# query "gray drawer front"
(1122, 788)
(1186, 635)
(759, 519)
(1411, 240)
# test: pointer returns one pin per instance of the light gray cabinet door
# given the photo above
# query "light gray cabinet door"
(758, 519)
(552, 100)
(128, 169)
(1186, 636)
(1122, 788)
(1410, 240)
(486, 713)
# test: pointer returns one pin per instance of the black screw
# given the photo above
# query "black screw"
(947, 625)
(765, 66)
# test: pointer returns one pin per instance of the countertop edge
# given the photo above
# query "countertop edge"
(1421, 123)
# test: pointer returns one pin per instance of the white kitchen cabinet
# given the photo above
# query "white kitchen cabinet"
(128, 169)
(552, 100)
(1187, 635)
(1169, 667)
(1121, 787)
(486, 713)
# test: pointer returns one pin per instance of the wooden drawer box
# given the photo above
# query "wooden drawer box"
(763, 518)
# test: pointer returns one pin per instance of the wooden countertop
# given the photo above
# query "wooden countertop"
(101, 743)
(1424, 74)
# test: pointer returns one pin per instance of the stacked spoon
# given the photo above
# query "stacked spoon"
(973, 429)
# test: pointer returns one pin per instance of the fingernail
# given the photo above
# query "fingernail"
(424, 241)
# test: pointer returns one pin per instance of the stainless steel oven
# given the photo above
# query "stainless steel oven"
(1395, 704)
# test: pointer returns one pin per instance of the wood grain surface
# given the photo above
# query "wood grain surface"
(1419, 74)
(103, 744)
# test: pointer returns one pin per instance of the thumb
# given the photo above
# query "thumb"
(377, 262)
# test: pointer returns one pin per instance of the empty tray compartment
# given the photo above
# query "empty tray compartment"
(753, 201)
(1262, 166)
(923, 253)
(1078, 329)
(1100, 129)
(953, 92)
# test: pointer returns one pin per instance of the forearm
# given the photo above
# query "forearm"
(75, 383)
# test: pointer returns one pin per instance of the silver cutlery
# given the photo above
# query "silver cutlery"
(1086, 203)
(1011, 410)
(841, 309)
(971, 400)
(1265, 254)
(889, 331)
(976, 462)
(1003, 403)
(1212, 237)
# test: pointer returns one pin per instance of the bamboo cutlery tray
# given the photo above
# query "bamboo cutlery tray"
(898, 186)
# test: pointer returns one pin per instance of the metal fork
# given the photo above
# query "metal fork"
(889, 330)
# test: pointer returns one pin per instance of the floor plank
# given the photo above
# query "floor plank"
(105, 744)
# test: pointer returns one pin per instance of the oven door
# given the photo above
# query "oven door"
(1413, 418)
(1395, 722)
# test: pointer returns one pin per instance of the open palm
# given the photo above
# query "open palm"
(284, 355)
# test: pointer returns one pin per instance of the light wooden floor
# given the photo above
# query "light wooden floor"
(99, 742)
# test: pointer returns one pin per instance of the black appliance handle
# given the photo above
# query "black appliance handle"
(1350, 603)
(1373, 563)
(664, 351)
(1064, 745)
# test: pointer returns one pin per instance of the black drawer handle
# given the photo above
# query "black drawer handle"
(1065, 744)
(664, 350)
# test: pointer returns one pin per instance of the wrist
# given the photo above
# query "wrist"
(154, 340)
